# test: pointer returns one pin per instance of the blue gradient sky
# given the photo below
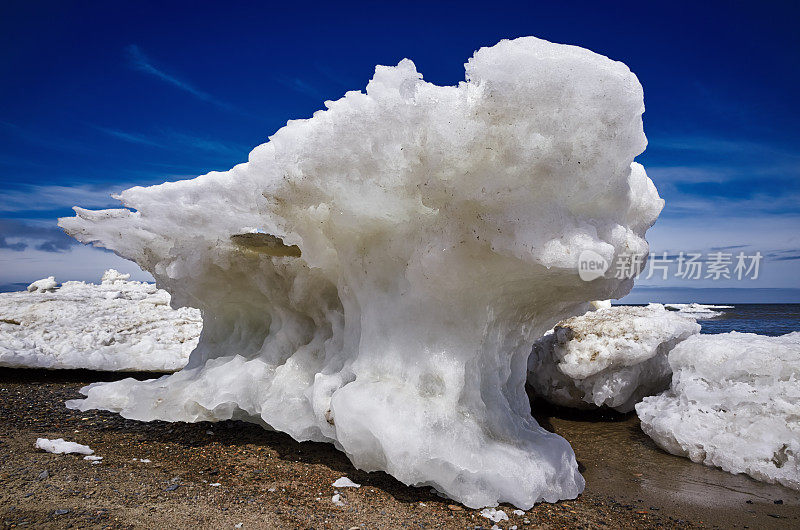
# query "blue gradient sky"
(97, 97)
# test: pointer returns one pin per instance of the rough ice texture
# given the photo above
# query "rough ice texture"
(734, 403)
(117, 325)
(610, 357)
(60, 446)
(374, 276)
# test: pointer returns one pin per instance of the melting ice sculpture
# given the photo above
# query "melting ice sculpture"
(406, 247)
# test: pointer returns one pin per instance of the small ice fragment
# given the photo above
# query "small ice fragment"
(494, 515)
(209, 432)
(45, 284)
(92, 457)
(215, 484)
(337, 500)
(142, 460)
(345, 482)
(238, 525)
(518, 512)
(272, 490)
(59, 446)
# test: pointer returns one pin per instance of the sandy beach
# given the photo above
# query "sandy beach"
(221, 475)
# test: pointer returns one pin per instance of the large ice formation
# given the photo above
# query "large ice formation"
(734, 403)
(117, 325)
(375, 276)
(610, 357)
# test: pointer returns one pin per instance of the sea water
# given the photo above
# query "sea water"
(763, 319)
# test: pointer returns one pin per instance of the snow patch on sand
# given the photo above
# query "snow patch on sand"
(60, 446)
(345, 482)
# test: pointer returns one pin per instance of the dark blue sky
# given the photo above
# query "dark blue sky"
(98, 96)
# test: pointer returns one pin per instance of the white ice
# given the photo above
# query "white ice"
(734, 404)
(116, 325)
(45, 284)
(60, 446)
(374, 276)
(699, 311)
(494, 514)
(610, 357)
(344, 482)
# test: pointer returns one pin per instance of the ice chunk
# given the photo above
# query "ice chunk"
(92, 457)
(416, 240)
(600, 304)
(337, 500)
(494, 514)
(60, 446)
(698, 311)
(45, 284)
(117, 325)
(112, 276)
(734, 404)
(345, 482)
(610, 357)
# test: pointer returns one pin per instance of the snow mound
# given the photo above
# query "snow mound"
(45, 284)
(118, 325)
(698, 311)
(374, 276)
(734, 404)
(610, 357)
(60, 446)
(344, 482)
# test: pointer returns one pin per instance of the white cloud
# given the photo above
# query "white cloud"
(54, 197)
(80, 263)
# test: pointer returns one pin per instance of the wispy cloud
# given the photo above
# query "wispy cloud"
(301, 87)
(128, 137)
(718, 145)
(44, 237)
(17, 247)
(41, 198)
(173, 140)
(142, 63)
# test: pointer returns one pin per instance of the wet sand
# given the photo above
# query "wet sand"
(267, 480)
(619, 461)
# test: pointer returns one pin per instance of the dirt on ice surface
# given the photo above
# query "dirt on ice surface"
(227, 474)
